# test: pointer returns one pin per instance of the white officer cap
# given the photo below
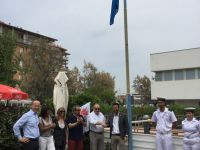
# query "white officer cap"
(189, 109)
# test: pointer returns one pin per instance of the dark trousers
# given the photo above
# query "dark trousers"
(75, 144)
(60, 147)
(31, 145)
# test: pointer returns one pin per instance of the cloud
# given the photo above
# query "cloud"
(83, 28)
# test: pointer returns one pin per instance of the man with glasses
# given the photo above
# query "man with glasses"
(97, 124)
(75, 123)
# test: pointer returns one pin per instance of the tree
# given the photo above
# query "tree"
(100, 84)
(91, 81)
(9, 63)
(142, 86)
(74, 83)
(89, 74)
(103, 87)
(43, 64)
(81, 99)
(105, 80)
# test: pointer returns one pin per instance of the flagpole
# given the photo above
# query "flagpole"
(128, 96)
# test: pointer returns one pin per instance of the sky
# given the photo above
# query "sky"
(82, 27)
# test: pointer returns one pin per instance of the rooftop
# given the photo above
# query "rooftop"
(26, 31)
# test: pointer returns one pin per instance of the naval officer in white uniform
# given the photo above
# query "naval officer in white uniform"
(191, 128)
(164, 120)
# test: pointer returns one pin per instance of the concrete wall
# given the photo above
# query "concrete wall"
(181, 59)
(176, 89)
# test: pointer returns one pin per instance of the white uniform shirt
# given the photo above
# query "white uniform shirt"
(93, 119)
(115, 124)
(164, 120)
(191, 128)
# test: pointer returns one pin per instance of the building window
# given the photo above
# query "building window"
(25, 37)
(190, 74)
(168, 75)
(20, 36)
(179, 75)
(198, 72)
(21, 50)
(158, 76)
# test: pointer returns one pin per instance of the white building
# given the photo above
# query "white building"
(177, 75)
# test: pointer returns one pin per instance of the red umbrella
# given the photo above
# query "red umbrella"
(9, 93)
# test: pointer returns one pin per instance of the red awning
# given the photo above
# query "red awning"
(10, 93)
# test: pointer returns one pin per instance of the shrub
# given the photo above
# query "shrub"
(8, 116)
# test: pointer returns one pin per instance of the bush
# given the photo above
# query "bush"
(8, 116)
(139, 112)
(81, 99)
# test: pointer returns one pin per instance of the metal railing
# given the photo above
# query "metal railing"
(145, 141)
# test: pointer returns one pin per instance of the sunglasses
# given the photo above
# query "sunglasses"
(62, 111)
(96, 108)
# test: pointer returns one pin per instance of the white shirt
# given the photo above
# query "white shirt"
(191, 128)
(45, 123)
(93, 119)
(164, 120)
(61, 124)
(115, 124)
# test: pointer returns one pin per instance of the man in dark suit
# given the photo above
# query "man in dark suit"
(118, 124)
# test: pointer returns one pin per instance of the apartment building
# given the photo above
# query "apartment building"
(26, 38)
(177, 75)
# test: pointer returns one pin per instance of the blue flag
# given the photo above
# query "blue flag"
(114, 10)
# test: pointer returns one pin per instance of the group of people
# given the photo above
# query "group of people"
(165, 120)
(45, 133)
(42, 132)
(117, 122)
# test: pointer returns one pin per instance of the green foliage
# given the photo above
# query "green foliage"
(8, 60)
(84, 97)
(139, 112)
(49, 103)
(90, 80)
(102, 86)
(142, 86)
(75, 81)
(179, 109)
(106, 95)
(44, 61)
(8, 116)
(81, 99)
(105, 108)
(89, 73)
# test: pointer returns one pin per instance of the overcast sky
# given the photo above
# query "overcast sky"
(82, 27)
